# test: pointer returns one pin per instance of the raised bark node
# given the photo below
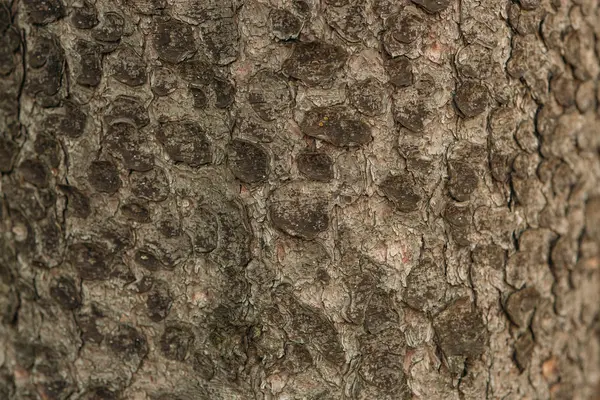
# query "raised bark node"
(407, 26)
(492, 256)
(231, 236)
(524, 21)
(404, 31)
(8, 153)
(135, 212)
(433, 6)
(183, 242)
(176, 342)
(224, 92)
(524, 346)
(315, 165)
(35, 172)
(204, 224)
(368, 96)
(401, 190)
(463, 181)
(349, 22)
(86, 319)
(24, 235)
(457, 216)
(579, 52)
(381, 363)
(284, 24)
(110, 28)
(314, 63)
(203, 365)
(425, 286)
(592, 215)
(46, 63)
(225, 343)
(399, 70)
(297, 359)
(173, 41)
(65, 293)
(529, 4)
(299, 211)
(413, 115)
(85, 17)
(471, 98)
(475, 61)
(199, 97)
(520, 306)
(586, 96)
(5, 18)
(337, 126)
(248, 161)
(90, 63)
(90, 260)
(71, 122)
(26, 199)
(104, 177)
(127, 109)
(145, 284)
(221, 38)
(9, 43)
(44, 12)
(269, 95)
(564, 88)
(127, 342)
(126, 142)
(195, 70)
(185, 142)
(44, 50)
(460, 330)
(148, 7)
(79, 203)
(304, 218)
(317, 330)
(129, 68)
(146, 258)
(101, 393)
(152, 185)
(380, 314)
(163, 81)
(526, 138)
(47, 149)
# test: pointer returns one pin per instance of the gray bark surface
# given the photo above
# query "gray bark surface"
(290, 199)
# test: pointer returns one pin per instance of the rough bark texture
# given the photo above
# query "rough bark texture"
(289, 199)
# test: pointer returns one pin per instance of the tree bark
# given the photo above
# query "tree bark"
(299, 199)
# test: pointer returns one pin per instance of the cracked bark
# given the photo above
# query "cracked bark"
(297, 199)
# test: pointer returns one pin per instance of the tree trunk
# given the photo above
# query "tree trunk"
(299, 199)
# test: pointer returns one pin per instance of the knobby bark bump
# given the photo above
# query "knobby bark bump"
(299, 199)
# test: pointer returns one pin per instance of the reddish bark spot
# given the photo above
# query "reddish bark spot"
(405, 254)
(280, 252)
